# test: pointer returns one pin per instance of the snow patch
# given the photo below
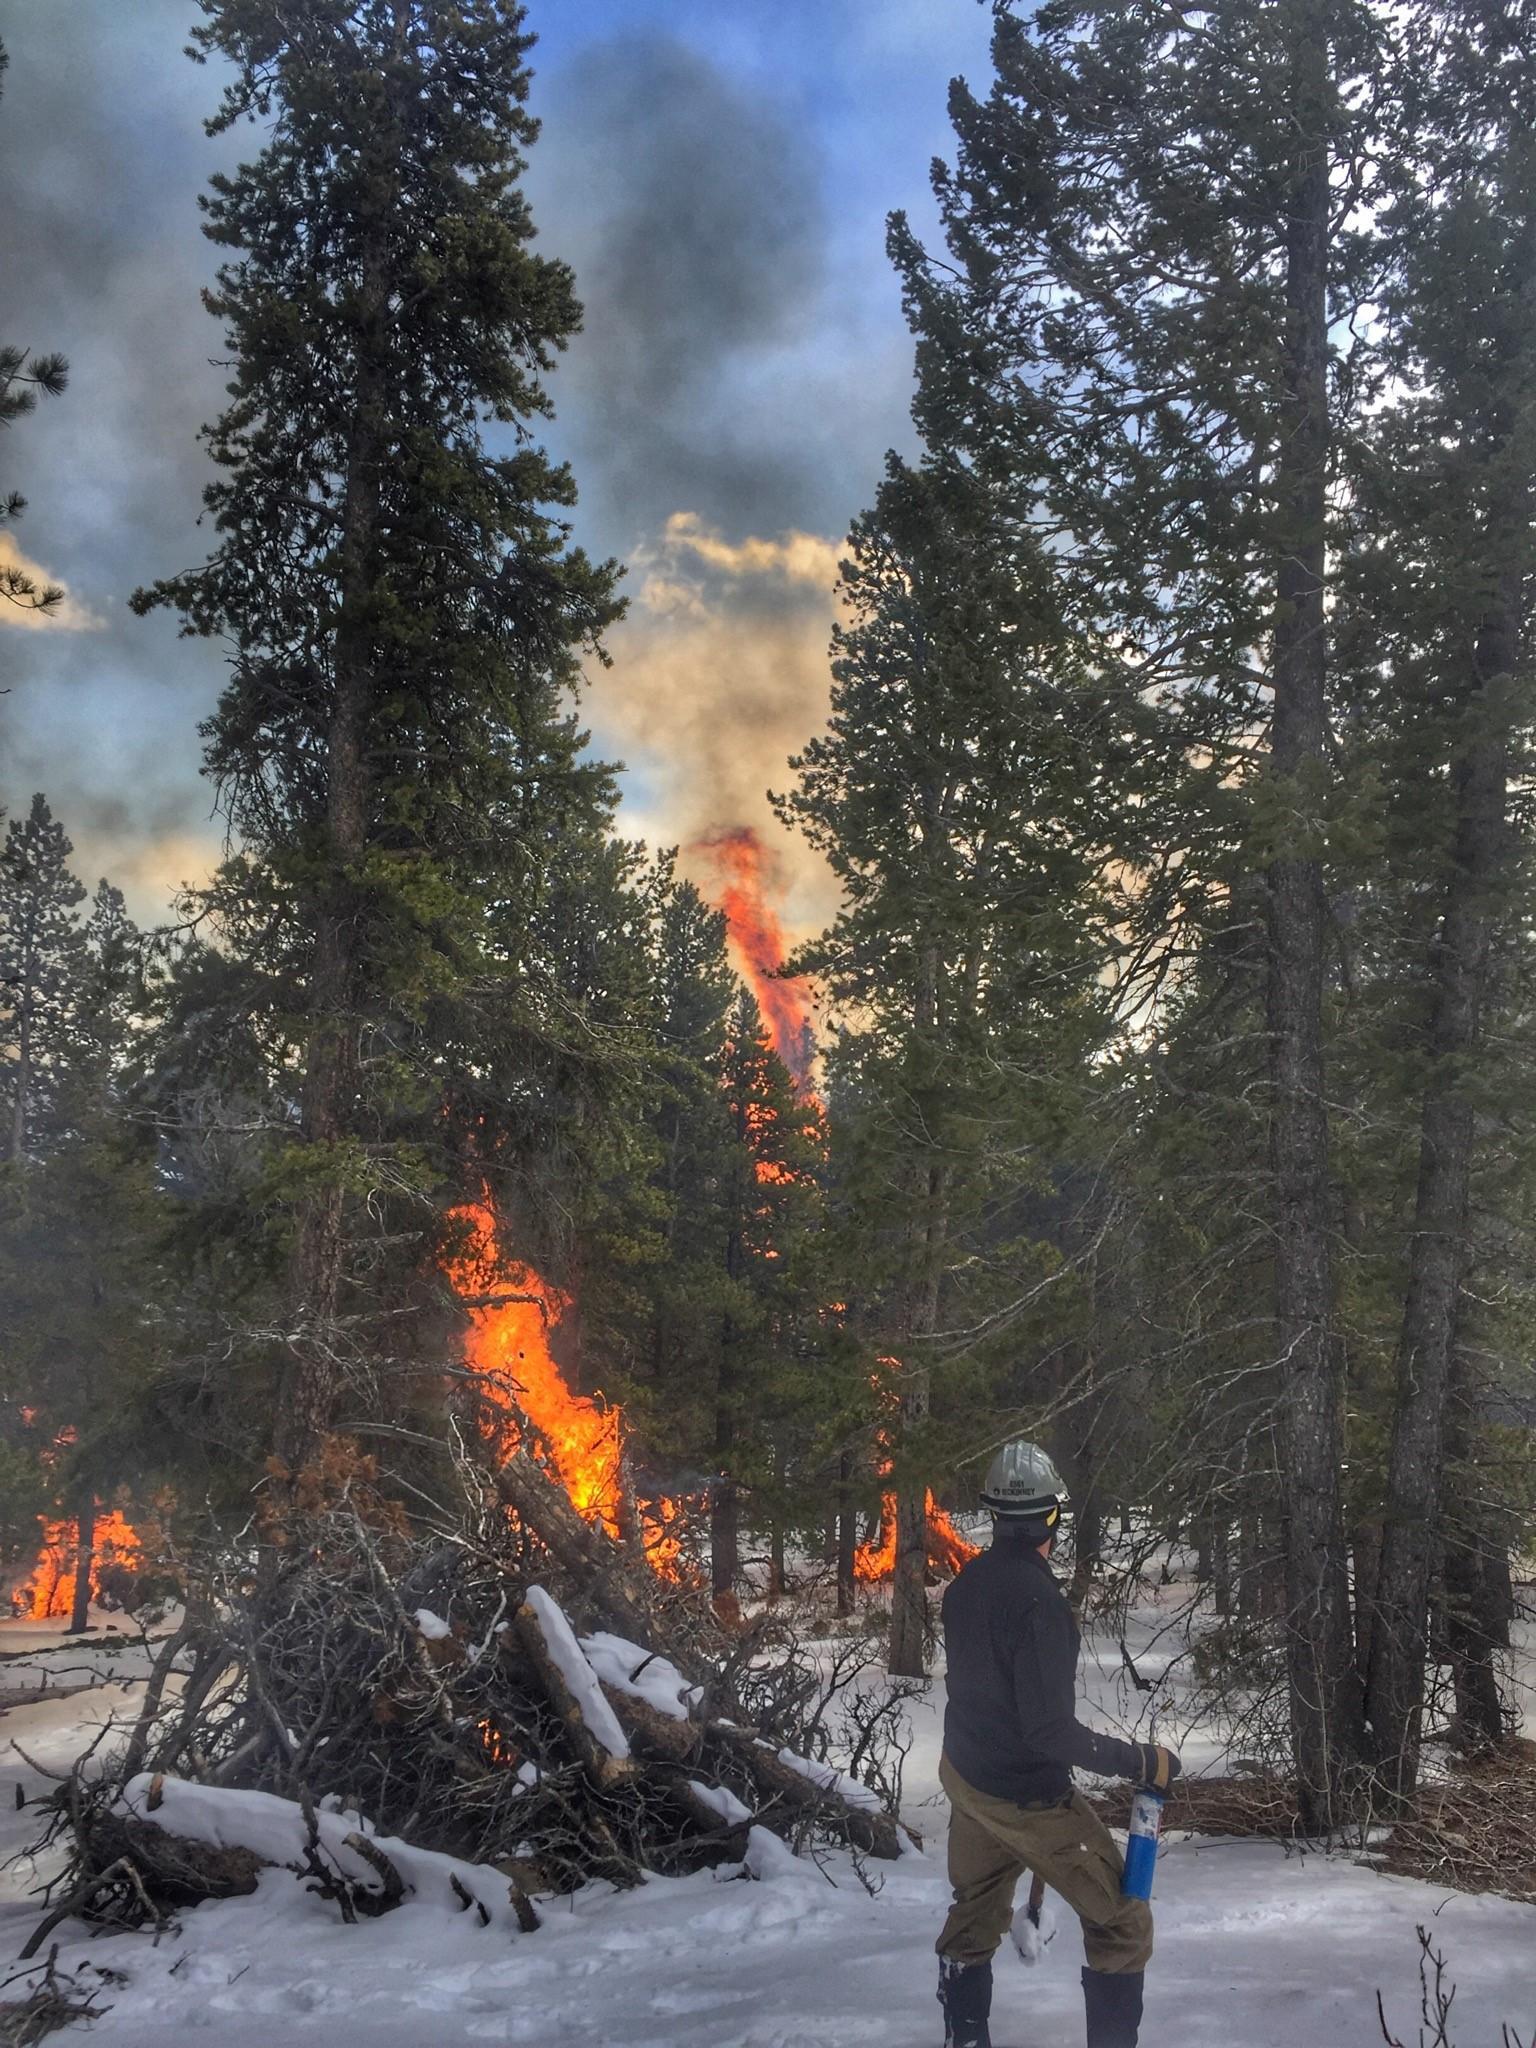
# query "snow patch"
(722, 1800)
(642, 1674)
(431, 1626)
(769, 1856)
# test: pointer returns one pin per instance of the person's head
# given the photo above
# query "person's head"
(1025, 1494)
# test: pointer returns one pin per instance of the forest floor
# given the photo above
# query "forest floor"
(1256, 1943)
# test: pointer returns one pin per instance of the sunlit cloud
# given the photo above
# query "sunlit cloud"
(791, 558)
(720, 673)
(69, 617)
(152, 873)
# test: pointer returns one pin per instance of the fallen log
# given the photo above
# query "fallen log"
(595, 1732)
(781, 1788)
(174, 1843)
(175, 1870)
(781, 1785)
(662, 1737)
(609, 1579)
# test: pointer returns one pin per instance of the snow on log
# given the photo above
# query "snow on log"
(275, 1832)
(831, 1779)
(573, 1687)
(863, 1826)
(645, 1675)
(720, 1800)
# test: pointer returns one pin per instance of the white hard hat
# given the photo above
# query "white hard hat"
(1022, 1481)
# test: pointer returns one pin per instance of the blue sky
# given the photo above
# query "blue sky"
(719, 174)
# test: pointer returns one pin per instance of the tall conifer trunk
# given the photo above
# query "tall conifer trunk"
(1323, 1681)
(847, 1538)
(908, 1656)
(311, 1381)
(1479, 1585)
(21, 1084)
(85, 1557)
(909, 1584)
(724, 1517)
(1427, 1341)
(1479, 1607)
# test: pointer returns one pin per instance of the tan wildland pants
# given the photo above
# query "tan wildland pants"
(992, 1843)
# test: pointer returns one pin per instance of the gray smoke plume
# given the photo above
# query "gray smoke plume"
(695, 218)
(102, 155)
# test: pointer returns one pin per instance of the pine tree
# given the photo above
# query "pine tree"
(674, 1353)
(1440, 581)
(40, 967)
(1142, 340)
(78, 1204)
(772, 1296)
(955, 796)
(404, 607)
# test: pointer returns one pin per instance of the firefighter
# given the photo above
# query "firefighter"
(1011, 1742)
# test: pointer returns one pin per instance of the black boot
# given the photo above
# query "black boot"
(1114, 2008)
(965, 1993)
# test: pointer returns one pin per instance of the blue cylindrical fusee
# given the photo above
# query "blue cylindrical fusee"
(1141, 1844)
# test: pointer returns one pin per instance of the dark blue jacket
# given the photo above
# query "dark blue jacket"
(1011, 1726)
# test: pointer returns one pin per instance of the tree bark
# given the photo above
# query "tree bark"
(908, 1654)
(908, 1651)
(16, 1149)
(85, 1554)
(1366, 1550)
(1323, 1681)
(724, 1509)
(847, 1538)
(1479, 1591)
(1426, 1344)
(778, 1576)
(312, 1378)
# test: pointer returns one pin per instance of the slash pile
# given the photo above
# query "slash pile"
(515, 1695)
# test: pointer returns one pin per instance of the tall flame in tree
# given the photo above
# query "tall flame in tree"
(744, 868)
(508, 1342)
(745, 877)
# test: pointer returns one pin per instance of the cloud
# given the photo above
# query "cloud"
(720, 674)
(69, 617)
(692, 209)
(792, 558)
(102, 155)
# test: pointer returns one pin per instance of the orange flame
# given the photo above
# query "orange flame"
(508, 1342)
(947, 1549)
(51, 1589)
(744, 867)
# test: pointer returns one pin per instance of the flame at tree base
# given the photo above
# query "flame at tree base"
(947, 1549)
(50, 1592)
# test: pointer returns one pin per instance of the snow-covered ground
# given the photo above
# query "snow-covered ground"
(1255, 1946)
(39, 1657)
